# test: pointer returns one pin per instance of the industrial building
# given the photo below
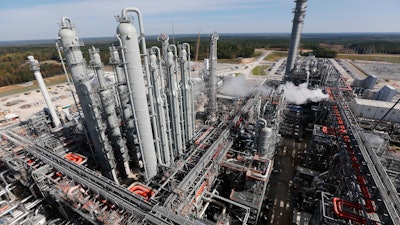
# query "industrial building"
(134, 151)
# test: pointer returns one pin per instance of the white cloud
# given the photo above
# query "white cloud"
(96, 17)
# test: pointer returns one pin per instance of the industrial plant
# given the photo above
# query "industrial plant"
(140, 145)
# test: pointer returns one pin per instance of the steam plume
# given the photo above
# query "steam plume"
(301, 94)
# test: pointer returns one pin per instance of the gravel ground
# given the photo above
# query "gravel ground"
(385, 71)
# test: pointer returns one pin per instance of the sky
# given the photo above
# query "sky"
(40, 19)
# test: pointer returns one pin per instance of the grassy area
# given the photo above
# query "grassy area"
(257, 53)
(235, 61)
(15, 89)
(275, 56)
(259, 70)
(380, 58)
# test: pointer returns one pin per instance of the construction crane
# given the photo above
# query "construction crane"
(197, 52)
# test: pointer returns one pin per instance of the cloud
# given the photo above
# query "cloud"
(96, 17)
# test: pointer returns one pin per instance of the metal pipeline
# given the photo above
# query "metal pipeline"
(10, 194)
(246, 217)
(191, 97)
(162, 121)
(3, 179)
(161, 78)
(186, 91)
(173, 100)
(5, 212)
(217, 203)
(20, 217)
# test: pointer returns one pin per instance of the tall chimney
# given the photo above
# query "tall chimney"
(299, 14)
(38, 75)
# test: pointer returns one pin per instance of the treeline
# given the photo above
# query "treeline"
(15, 69)
(321, 52)
(373, 47)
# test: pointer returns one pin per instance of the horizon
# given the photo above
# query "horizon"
(278, 34)
(25, 20)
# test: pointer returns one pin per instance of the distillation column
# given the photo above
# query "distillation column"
(160, 107)
(128, 36)
(92, 116)
(212, 83)
(38, 75)
(186, 91)
(107, 100)
(173, 102)
(298, 20)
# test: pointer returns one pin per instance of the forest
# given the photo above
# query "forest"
(14, 68)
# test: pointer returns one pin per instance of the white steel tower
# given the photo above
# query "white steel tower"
(299, 14)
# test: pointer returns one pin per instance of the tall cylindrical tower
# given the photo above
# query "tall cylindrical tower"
(212, 83)
(95, 125)
(38, 75)
(130, 46)
(298, 20)
(107, 100)
(186, 91)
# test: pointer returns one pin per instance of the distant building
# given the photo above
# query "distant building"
(386, 93)
(373, 109)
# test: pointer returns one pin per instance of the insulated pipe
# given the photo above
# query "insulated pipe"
(129, 39)
(106, 96)
(164, 98)
(5, 212)
(212, 82)
(38, 75)
(2, 178)
(172, 93)
(190, 94)
(10, 194)
(162, 121)
(92, 116)
(124, 96)
(186, 91)
(299, 14)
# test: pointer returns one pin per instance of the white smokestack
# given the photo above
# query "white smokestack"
(38, 75)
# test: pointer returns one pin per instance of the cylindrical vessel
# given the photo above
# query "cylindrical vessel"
(299, 14)
(129, 38)
(92, 115)
(38, 75)
(212, 83)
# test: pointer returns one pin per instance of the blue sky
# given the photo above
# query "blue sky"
(39, 19)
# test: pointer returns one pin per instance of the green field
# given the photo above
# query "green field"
(259, 70)
(275, 56)
(15, 89)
